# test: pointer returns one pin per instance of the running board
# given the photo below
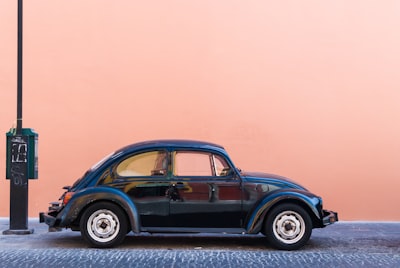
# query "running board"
(192, 230)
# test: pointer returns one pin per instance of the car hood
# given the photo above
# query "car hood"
(270, 178)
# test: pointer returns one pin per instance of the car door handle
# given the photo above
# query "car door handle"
(172, 191)
(212, 193)
(177, 185)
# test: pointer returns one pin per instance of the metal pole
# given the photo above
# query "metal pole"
(19, 67)
(19, 164)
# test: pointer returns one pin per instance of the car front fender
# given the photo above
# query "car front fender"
(314, 203)
(84, 198)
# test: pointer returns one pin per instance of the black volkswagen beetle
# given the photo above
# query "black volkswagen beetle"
(184, 186)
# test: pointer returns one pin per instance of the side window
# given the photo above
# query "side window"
(152, 163)
(221, 166)
(105, 178)
(191, 163)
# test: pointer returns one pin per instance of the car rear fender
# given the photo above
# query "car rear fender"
(310, 201)
(82, 199)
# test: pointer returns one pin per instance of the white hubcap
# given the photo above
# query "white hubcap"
(289, 227)
(103, 225)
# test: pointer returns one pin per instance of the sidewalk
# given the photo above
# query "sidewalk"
(371, 234)
(383, 236)
(343, 244)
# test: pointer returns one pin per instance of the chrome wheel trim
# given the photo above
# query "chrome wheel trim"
(103, 226)
(289, 227)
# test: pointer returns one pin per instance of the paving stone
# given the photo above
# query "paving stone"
(344, 244)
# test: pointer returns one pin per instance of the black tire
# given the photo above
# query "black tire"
(103, 225)
(288, 227)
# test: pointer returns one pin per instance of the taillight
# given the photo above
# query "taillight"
(67, 197)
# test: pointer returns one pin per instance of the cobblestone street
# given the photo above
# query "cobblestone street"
(345, 244)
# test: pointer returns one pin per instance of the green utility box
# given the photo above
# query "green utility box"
(22, 149)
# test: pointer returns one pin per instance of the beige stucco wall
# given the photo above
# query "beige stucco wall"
(305, 89)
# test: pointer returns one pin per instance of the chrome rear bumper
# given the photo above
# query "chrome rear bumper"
(330, 217)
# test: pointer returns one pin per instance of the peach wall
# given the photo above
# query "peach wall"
(305, 89)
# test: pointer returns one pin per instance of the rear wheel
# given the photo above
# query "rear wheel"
(288, 227)
(103, 225)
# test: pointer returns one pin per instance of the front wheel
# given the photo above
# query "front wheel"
(288, 227)
(103, 225)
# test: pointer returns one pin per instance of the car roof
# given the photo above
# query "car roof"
(181, 143)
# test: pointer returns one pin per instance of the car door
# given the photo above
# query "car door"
(204, 193)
